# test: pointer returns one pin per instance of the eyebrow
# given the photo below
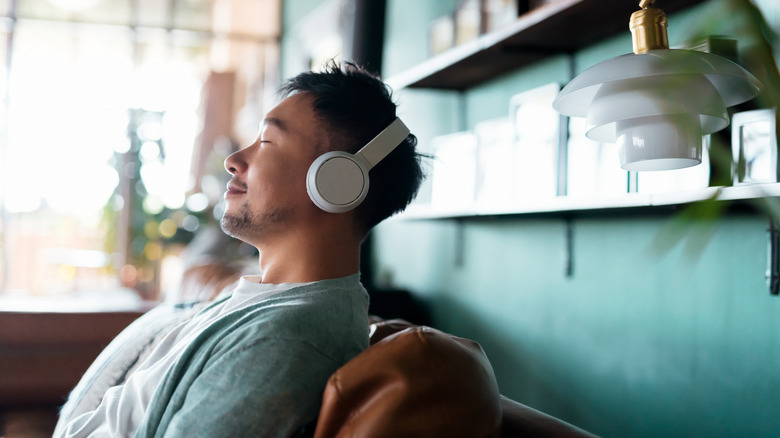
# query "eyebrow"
(275, 122)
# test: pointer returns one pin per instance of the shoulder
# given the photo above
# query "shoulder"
(341, 296)
(330, 315)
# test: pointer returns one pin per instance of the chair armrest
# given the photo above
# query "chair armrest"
(45, 354)
(521, 420)
(28, 423)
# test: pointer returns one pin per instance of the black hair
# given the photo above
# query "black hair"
(354, 106)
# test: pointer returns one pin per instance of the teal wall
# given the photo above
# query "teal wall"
(649, 337)
(665, 328)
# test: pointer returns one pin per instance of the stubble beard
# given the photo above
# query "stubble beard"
(246, 225)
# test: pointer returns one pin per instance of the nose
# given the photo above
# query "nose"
(235, 162)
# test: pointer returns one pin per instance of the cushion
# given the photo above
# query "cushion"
(418, 382)
(200, 285)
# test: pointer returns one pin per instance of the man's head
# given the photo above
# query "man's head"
(354, 106)
(338, 109)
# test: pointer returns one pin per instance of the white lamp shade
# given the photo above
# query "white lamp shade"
(662, 142)
(733, 83)
(654, 96)
(657, 105)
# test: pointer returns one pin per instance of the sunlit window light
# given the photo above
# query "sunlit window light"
(197, 202)
(74, 5)
(80, 159)
(61, 124)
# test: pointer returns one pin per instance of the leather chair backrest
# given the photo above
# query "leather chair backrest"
(418, 382)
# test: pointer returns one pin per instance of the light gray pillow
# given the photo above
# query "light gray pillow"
(120, 358)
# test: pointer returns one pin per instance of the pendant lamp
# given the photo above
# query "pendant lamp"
(656, 103)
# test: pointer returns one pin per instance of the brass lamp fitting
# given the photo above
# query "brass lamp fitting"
(648, 28)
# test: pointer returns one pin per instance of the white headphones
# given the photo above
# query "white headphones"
(337, 181)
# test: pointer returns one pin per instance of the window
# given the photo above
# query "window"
(107, 153)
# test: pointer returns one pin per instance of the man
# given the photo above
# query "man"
(255, 363)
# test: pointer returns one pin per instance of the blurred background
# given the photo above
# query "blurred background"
(115, 118)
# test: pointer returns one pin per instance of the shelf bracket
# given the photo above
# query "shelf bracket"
(773, 259)
(460, 245)
(568, 247)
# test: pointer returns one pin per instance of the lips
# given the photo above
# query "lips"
(235, 188)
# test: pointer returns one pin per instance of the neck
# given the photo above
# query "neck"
(306, 257)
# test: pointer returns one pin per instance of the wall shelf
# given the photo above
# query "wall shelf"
(630, 202)
(563, 26)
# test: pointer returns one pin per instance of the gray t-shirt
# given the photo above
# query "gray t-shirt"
(252, 364)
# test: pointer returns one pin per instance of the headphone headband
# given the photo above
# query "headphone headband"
(384, 143)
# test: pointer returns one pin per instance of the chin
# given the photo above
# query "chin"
(233, 225)
(245, 225)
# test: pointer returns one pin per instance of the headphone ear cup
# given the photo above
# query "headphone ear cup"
(337, 181)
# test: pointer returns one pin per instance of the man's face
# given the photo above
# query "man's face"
(267, 193)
